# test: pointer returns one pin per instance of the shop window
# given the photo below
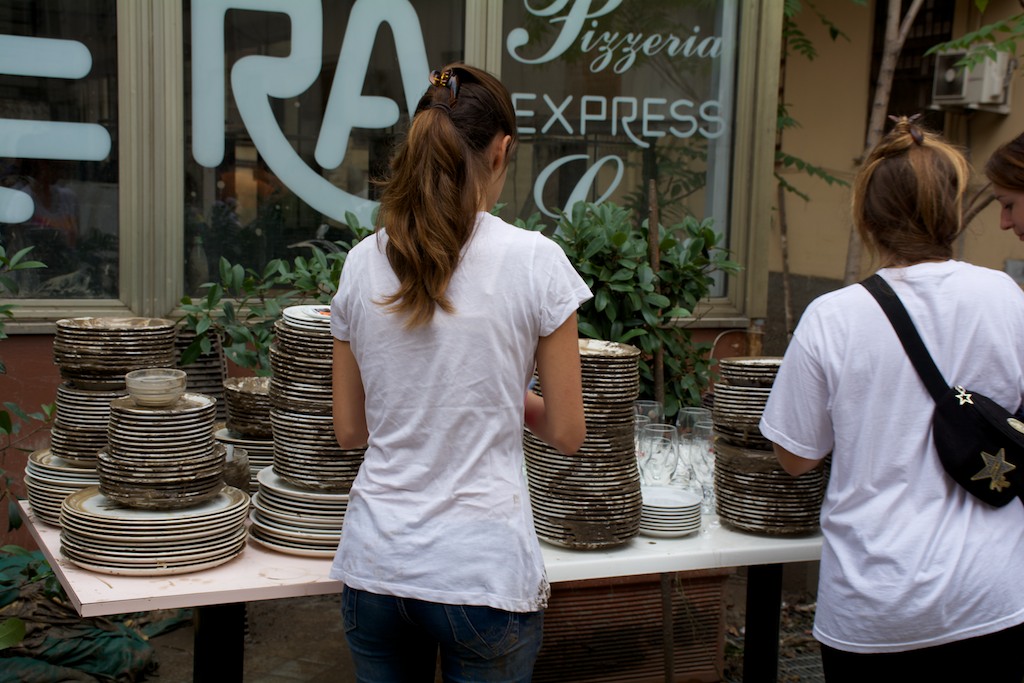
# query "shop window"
(607, 98)
(58, 150)
(611, 96)
(282, 142)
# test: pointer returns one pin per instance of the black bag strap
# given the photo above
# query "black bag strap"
(905, 330)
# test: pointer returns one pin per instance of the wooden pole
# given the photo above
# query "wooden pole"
(653, 239)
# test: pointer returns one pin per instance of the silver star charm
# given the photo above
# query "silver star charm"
(994, 469)
(963, 396)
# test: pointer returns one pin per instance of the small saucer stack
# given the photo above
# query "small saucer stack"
(669, 512)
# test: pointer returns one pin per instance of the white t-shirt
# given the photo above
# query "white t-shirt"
(440, 510)
(910, 560)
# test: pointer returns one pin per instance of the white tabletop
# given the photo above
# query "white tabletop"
(261, 574)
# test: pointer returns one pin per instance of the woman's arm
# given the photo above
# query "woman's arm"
(557, 417)
(349, 399)
(793, 463)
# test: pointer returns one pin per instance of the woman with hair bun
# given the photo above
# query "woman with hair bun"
(439, 322)
(1005, 170)
(918, 578)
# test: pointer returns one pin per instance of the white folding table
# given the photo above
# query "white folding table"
(219, 594)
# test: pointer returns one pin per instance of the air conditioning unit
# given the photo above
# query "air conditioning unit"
(985, 87)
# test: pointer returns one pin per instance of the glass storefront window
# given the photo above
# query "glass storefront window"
(290, 111)
(612, 95)
(58, 148)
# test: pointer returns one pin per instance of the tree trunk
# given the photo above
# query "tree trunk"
(653, 251)
(895, 35)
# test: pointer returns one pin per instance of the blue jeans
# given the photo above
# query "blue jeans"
(396, 640)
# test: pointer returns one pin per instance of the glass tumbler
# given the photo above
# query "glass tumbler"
(659, 448)
(702, 451)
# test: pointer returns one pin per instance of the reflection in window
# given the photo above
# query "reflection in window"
(58, 123)
(256, 202)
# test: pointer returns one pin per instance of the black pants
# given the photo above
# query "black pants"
(995, 658)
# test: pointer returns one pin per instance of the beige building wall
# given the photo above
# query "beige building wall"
(829, 97)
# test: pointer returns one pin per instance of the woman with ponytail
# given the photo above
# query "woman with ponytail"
(918, 577)
(440, 321)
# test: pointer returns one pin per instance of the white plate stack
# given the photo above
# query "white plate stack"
(49, 479)
(102, 536)
(669, 512)
(306, 451)
(296, 521)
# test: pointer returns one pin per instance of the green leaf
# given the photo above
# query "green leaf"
(6, 426)
(12, 632)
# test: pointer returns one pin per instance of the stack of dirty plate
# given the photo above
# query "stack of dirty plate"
(248, 422)
(99, 535)
(79, 429)
(669, 512)
(162, 457)
(207, 372)
(295, 520)
(306, 451)
(248, 405)
(95, 353)
(740, 397)
(49, 479)
(752, 492)
(592, 499)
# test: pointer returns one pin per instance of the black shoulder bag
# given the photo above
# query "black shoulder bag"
(980, 443)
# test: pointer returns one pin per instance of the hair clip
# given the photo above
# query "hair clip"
(439, 79)
(908, 121)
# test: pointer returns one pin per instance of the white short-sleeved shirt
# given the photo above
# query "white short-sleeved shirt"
(910, 560)
(440, 509)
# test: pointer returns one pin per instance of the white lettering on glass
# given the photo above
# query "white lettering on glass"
(572, 24)
(615, 49)
(45, 58)
(256, 79)
(582, 188)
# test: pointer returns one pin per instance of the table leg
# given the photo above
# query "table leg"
(667, 629)
(219, 643)
(764, 608)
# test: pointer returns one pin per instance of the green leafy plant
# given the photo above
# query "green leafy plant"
(642, 304)
(12, 630)
(243, 306)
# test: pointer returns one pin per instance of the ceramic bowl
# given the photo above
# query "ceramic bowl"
(155, 387)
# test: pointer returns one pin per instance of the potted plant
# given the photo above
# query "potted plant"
(640, 303)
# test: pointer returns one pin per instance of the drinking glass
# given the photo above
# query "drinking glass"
(688, 417)
(652, 409)
(659, 449)
(703, 453)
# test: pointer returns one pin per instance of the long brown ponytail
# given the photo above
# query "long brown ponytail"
(438, 180)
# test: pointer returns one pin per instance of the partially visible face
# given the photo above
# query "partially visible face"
(1011, 213)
